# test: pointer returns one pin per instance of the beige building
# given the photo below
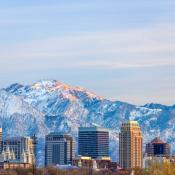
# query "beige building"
(21, 147)
(102, 163)
(0, 140)
(130, 145)
(14, 165)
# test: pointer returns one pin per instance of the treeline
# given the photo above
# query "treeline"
(156, 169)
(159, 169)
(56, 171)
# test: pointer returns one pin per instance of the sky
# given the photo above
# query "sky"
(120, 50)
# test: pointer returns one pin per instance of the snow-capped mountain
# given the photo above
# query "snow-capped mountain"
(54, 106)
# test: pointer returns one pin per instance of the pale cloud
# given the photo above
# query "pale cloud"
(122, 50)
(153, 46)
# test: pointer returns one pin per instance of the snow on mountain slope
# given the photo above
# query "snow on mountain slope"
(14, 110)
(18, 118)
(64, 108)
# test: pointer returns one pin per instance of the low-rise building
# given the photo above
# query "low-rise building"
(149, 161)
(101, 163)
(14, 165)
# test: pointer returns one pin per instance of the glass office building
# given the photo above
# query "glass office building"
(93, 142)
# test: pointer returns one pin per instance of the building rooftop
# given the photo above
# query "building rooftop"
(57, 133)
(94, 128)
(16, 138)
(157, 140)
(132, 122)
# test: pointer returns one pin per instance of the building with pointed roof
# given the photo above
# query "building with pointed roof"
(21, 147)
(157, 148)
(7, 155)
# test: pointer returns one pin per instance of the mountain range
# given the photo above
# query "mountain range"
(49, 105)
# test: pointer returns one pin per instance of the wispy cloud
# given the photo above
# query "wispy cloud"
(144, 47)
(118, 49)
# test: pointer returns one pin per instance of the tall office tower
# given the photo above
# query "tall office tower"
(157, 148)
(0, 140)
(130, 145)
(59, 149)
(93, 142)
(22, 147)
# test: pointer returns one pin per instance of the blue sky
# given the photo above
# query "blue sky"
(122, 50)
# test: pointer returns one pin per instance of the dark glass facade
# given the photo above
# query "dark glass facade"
(158, 149)
(93, 142)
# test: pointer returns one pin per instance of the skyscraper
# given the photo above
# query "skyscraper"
(22, 147)
(93, 142)
(130, 145)
(0, 140)
(59, 149)
(157, 148)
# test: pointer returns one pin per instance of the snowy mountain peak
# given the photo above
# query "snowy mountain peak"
(53, 86)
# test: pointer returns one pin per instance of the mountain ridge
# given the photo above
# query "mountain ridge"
(60, 107)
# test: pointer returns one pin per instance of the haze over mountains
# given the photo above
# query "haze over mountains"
(50, 105)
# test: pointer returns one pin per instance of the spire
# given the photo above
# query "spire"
(23, 157)
(13, 157)
(7, 154)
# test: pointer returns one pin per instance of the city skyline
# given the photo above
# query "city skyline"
(118, 50)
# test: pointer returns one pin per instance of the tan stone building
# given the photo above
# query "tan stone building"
(21, 147)
(130, 145)
(0, 140)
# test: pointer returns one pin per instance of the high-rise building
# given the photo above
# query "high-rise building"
(93, 142)
(0, 140)
(59, 149)
(21, 147)
(157, 148)
(130, 145)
